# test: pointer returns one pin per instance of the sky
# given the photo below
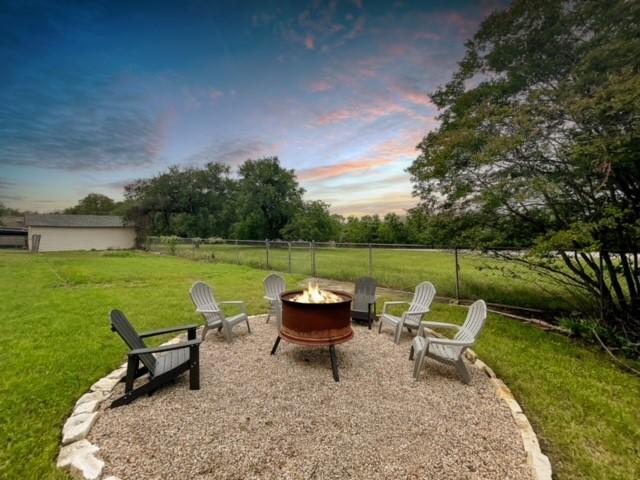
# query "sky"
(96, 94)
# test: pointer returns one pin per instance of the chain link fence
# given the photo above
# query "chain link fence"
(459, 274)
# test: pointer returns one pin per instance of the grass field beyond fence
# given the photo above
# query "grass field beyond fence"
(56, 341)
(480, 275)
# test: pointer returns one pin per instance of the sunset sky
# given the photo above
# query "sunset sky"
(92, 97)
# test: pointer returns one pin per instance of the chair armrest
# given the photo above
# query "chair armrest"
(208, 308)
(450, 341)
(164, 348)
(386, 304)
(418, 312)
(271, 299)
(161, 331)
(441, 325)
(243, 306)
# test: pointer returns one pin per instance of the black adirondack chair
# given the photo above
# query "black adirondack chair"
(172, 360)
(363, 306)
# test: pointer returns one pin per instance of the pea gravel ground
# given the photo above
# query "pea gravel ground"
(282, 416)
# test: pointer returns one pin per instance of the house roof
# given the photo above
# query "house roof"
(59, 220)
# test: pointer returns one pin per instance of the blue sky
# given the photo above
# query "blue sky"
(96, 94)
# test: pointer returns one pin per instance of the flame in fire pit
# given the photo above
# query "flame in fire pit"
(313, 294)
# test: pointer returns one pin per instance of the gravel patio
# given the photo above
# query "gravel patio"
(282, 416)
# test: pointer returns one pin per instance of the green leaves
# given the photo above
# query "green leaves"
(541, 130)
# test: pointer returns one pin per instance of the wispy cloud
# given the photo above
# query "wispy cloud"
(368, 111)
(318, 86)
(331, 171)
(380, 155)
(324, 24)
(309, 42)
(412, 94)
(6, 185)
(78, 124)
(398, 203)
(215, 94)
(233, 152)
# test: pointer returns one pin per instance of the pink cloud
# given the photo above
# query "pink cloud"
(382, 154)
(368, 112)
(319, 86)
(309, 42)
(215, 94)
(331, 171)
(414, 95)
(158, 140)
(396, 203)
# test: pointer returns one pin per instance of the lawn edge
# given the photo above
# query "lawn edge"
(538, 461)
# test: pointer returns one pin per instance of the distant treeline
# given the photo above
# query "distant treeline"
(265, 201)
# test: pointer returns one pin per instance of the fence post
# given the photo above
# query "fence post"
(455, 254)
(266, 247)
(237, 253)
(313, 258)
(289, 247)
(370, 260)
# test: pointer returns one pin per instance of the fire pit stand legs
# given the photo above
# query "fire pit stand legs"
(332, 353)
(334, 363)
(275, 345)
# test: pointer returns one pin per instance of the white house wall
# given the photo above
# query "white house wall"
(54, 239)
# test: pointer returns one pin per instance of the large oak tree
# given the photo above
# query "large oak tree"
(540, 128)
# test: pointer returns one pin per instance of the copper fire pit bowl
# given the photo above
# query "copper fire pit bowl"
(316, 324)
(321, 324)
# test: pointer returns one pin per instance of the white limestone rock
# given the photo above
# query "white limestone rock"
(98, 396)
(105, 384)
(80, 461)
(86, 407)
(118, 373)
(77, 427)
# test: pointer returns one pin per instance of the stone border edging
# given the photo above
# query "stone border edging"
(538, 461)
(78, 456)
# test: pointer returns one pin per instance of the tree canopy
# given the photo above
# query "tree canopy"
(94, 204)
(540, 130)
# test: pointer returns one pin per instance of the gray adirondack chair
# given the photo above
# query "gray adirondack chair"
(445, 350)
(363, 305)
(163, 363)
(411, 318)
(206, 304)
(274, 285)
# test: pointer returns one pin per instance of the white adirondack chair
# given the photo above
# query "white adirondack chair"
(445, 350)
(274, 285)
(206, 304)
(411, 318)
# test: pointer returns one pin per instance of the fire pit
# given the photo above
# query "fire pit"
(316, 317)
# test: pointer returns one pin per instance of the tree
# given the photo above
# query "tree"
(540, 129)
(7, 211)
(191, 202)
(392, 229)
(312, 222)
(267, 198)
(93, 204)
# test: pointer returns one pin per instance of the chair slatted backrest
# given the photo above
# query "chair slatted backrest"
(202, 296)
(120, 324)
(364, 293)
(473, 324)
(274, 285)
(422, 299)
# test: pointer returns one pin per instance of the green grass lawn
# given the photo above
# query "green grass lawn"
(56, 342)
(480, 276)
